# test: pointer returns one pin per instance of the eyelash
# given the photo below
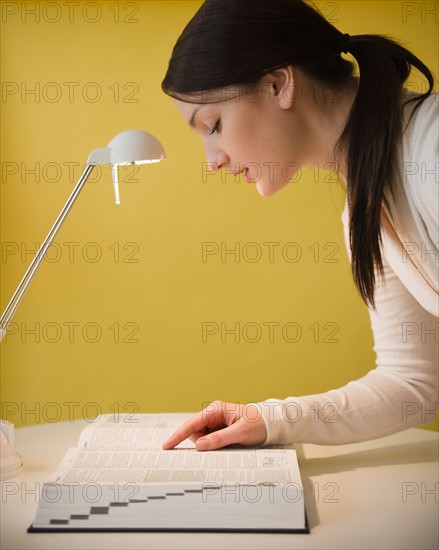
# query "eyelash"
(216, 128)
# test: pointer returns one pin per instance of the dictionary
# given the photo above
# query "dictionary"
(118, 478)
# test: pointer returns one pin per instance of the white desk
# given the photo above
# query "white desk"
(376, 494)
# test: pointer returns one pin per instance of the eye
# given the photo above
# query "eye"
(216, 128)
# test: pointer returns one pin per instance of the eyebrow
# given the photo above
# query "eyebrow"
(192, 120)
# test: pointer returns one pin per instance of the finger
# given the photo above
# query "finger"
(221, 438)
(243, 431)
(210, 416)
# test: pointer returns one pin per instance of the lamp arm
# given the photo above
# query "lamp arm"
(32, 269)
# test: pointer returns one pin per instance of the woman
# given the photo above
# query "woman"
(264, 85)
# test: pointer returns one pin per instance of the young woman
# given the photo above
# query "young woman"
(265, 86)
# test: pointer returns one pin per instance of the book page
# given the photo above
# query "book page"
(128, 449)
(245, 465)
(146, 431)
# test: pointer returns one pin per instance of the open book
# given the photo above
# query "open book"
(118, 478)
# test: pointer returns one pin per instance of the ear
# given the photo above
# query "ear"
(281, 85)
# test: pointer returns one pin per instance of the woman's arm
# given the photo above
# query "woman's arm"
(402, 391)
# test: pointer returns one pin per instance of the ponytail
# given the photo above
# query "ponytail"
(371, 138)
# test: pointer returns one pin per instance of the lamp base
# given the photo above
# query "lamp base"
(11, 463)
(11, 467)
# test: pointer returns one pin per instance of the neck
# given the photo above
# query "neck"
(326, 114)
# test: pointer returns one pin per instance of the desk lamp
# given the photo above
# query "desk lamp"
(129, 147)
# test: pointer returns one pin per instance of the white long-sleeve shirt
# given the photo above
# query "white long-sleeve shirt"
(402, 390)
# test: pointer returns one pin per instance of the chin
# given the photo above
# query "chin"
(269, 189)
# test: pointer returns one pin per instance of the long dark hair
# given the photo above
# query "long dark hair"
(236, 42)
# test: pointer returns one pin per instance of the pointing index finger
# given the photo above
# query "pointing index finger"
(194, 424)
(209, 417)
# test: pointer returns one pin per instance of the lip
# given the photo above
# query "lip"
(245, 176)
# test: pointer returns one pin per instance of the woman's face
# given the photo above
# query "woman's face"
(258, 134)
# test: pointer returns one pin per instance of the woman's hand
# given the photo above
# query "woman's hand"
(221, 424)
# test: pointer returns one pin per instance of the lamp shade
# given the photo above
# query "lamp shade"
(129, 147)
(135, 146)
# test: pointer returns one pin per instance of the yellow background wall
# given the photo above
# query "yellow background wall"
(133, 277)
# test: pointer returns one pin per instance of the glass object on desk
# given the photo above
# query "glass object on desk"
(11, 461)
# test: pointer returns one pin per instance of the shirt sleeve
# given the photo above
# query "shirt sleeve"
(400, 392)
